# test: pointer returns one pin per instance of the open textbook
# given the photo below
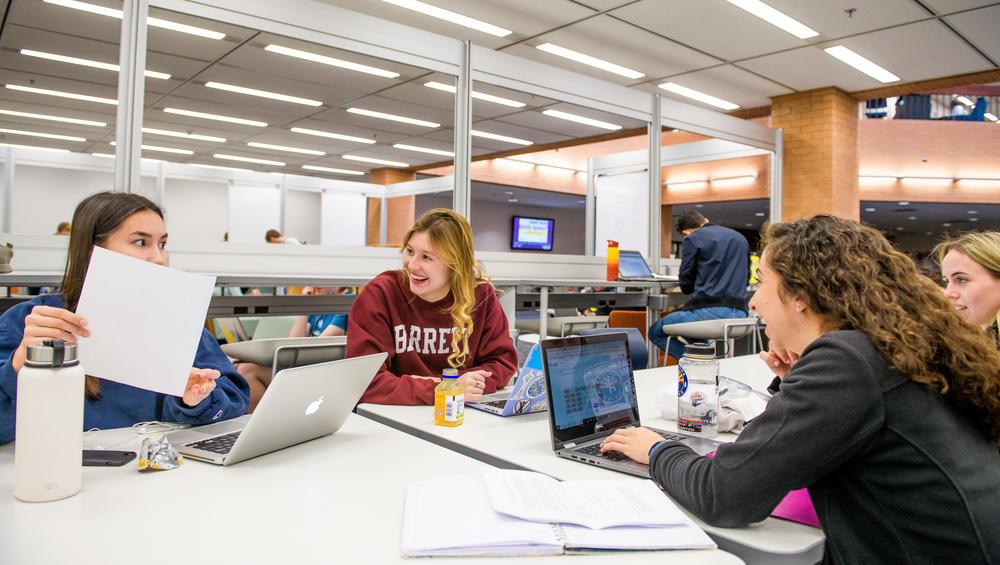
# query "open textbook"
(504, 513)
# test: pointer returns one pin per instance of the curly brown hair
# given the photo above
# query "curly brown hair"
(851, 276)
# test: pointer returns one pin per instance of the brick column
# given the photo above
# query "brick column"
(820, 167)
(402, 209)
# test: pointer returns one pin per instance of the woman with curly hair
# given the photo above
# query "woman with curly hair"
(888, 408)
(439, 311)
(970, 265)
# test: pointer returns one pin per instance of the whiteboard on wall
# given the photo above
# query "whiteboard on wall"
(622, 210)
(344, 219)
(252, 211)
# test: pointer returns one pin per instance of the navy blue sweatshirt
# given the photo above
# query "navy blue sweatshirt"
(122, 405)
(715, 268)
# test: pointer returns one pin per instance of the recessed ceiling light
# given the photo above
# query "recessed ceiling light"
(61, 94)
(286, 148)
(215, 117)
(330, 61)
(447, 15)
(423, 150)
(699, 205)
(509, 192)
(946, 225)
(590, 61)
(477, 95)
(183, 135)
(498, 137)
(869, 209)
(374, 160)
(911, 217)
(760, 214)
(749, 225)
(393, 117)
(35, 147)
(104, 155)
(973, 219)
(930, 233)
(332, 135)
(904, 203)
(775, 18)
(40, 134)
(581, 201)
(699, 96)
(161, 149)
(248, 159)
(53, 118)
(512, 200)
(582, 120)
(899, 228)
(332, 170)
(972, 212)
(223, 168)
(87, 63)
(154, 22)
(861, 64)
(262, 93)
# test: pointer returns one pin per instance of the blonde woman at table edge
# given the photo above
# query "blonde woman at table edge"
(438, 311)
(970, 267)
(132, 225)
(888, 410)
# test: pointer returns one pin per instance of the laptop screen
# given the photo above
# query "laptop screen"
(590, 386)
(632, 264)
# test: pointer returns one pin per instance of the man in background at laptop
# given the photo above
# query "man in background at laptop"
(715, 271)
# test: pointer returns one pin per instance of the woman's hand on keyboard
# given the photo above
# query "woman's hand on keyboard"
(633, 442)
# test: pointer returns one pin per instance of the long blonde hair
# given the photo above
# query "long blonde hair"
(852, 277)
(451, 236)
(981, 247)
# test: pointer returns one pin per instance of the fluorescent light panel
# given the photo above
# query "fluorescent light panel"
(161, 149)
(182, 135)
(699, 96)
(498, 137)
(316, 58)
(35, 147)
(331, 170)
(61, 94)
(775, 18)
(223, 168)
(588, 60)
(248, 160)
(449, 16)
(285, 148)
(215, 117)
(262, 93)
(393, 117)
(331, 135)
(86, 63)
(376, 161)
(151, 21)
(419, 149)
(40, 134)
(582, 120)
(860, 63)
(53, 118)
(990, 116)
(477, 95)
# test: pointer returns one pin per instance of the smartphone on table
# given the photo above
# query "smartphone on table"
(106, 457)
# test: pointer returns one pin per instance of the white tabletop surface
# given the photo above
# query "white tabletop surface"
(524, 442)
(337, 499)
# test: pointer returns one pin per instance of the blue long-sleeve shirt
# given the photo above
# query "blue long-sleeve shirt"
(122, 405)
(715, 268)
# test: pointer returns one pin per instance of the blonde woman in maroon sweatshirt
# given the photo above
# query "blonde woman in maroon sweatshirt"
(438, 311)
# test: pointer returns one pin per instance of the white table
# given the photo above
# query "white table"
(524, 442)
(337, 499)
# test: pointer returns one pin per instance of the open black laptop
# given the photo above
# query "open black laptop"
(591, 392)
(632, 266)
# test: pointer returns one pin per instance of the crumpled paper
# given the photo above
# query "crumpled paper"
(738, 404)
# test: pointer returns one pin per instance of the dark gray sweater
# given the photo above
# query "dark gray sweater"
(895, 473)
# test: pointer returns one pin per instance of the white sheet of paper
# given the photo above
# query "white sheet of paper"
(145, 321)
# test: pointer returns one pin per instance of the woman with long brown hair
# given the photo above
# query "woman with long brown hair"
(438, 311)
(888, 408)
(132, 225)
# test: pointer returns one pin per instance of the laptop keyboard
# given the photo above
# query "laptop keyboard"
(495, 403)
(594, 449)
(218, 444)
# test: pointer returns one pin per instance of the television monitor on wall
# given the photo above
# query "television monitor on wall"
(532, 234)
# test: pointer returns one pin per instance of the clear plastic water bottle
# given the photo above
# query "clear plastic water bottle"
(698, 391)
(48, 445)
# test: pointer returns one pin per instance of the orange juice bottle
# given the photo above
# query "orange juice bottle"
(612, 260)
(449, 400)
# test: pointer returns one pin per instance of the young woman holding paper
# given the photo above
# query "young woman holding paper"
(132, 225)
(439, 311)
(888, 408)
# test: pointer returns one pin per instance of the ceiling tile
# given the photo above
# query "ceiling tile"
(980, 27)
(729, 83)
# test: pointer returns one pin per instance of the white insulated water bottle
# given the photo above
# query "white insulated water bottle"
(48, 444)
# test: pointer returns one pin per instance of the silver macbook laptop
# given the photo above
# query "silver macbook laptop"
(591, 392)
(527, 395)
(302, 403)
(632, 266)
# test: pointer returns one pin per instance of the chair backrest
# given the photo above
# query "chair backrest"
(712, 329)
(628, 319)
(272, 327)
(636, 344)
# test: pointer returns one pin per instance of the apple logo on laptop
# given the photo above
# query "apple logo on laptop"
(314, 405)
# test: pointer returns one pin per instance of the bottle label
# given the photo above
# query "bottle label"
(454, 407)
(682, 381)
(690, 425)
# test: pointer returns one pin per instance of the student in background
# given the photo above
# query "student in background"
(970, 266)
(439, 311)
(63, 228)
(274, 236)
(131, 225)
(888, 409)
